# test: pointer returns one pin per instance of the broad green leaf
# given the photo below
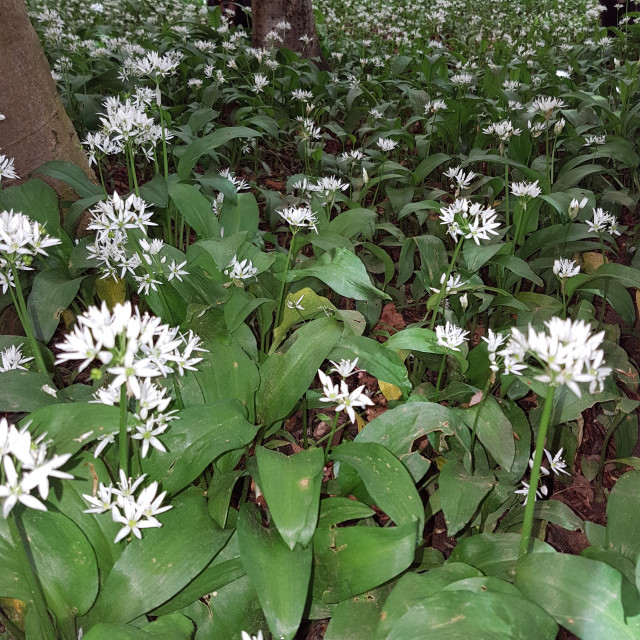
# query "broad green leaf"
(313, 305)
(63, 559)
(172, 627)
(623, 516)
(23, 391)
(52, 292)
(195, 440)
(72, 426)
(573, 177)
(225, 568)
(220, 490)
(226, 372)
(287, 373)
(547, 510)
(279, 575)
(495, 554)
(398, 428)
(451, 615)
(627, 276)
(72, 175)
(616, 560)
(208, 143)
(519, 267)
(351, 560)
(433, 260)
(357, 617)
(493, 429)
(428, 165)
(291, 486)
(344, 272)
(195, 208)
(100, 529)
(413, 588)
(386, 479)
(582, 595)
(336, 509)
(461, 494)
(422, 340)
(354, 222)
(374, 358)
(243, 216)
(168, 557)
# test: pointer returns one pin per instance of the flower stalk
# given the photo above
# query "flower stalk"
(527, 524)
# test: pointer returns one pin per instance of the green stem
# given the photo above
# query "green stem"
(123, 440)
(440, 372)
(474, 431)
(527, 524)
(21, 544)
(603, 458)
(603, 308)
(284, 282)
(327, 451)
(443, 287)
(506, 198)
(23, 314)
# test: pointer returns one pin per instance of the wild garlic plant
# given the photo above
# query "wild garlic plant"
(133, 349)
(21, 241)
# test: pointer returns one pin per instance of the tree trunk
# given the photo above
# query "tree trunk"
(266, 14)
(37, 128)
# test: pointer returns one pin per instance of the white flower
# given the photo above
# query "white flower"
(459, 179)
(176, 271)
(299, 217)
(147, 433)
(565, 353)
(350, 401)
(246, 636)
(565, 268)
(545, 106)
(540, 493)
(576, 205)
(603, 222)
(331, 391)
(502, 130)
(6, 168)
(454, 283)
(12, 358)
(469, 220)
(240, 270)
(526, 190)
(102, 501)
(153, 65)
(450, 336)
(386, 144)
(296, 304)
(17, 489)
(132, 520)
(346, 368)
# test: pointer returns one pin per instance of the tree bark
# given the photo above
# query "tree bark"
(37, 128)
(266, 14)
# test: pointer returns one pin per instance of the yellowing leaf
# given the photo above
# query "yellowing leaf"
(111, 291)
(360, 422)
(591, 260)
(389, 391)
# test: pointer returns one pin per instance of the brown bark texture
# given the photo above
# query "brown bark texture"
(265, 15)
(37, 128)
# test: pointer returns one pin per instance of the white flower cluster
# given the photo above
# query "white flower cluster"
(134, 347)
(525, 191)
(6, 168)
(21, 240)
(459, 179)
(12, 359)
(502, 130)
(564, 268)
(133, 513)
(299, 217)
(240, 270)
(152, 65)
(344, 400)
(469, 220)
(454, 284)
(125, 123)
(112, 245)
(603, 222)
(557, 465)
(450, 336)
(25, 466)
(565, 353)
(325, 186)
